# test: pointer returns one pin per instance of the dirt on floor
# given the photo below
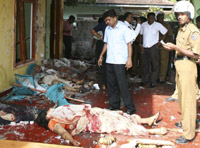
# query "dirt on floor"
(148, 101)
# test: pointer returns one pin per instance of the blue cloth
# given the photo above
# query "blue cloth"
(55, 93)
(31, 68)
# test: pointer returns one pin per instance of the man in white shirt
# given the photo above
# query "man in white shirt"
(129, 20)
(118, 46)
(149, 34)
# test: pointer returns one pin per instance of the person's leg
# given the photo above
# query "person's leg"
(119, 70)
(150, 120)
(154, 63)
(145, 65)
(160, 131)
(113, 91)
(68, 46)
(164, 58)
(187, 72)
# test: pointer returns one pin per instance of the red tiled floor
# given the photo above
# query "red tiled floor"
(148, 102)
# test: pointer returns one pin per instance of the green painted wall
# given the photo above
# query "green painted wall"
(196, 4)
(7, 45)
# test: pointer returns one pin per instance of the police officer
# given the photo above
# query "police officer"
(164, 54)
(187, 52)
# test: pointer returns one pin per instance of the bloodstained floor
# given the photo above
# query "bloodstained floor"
(148, 101)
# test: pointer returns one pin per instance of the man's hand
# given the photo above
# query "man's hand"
(169, 46)
(128, 64)
(100, 61)
(75, 143)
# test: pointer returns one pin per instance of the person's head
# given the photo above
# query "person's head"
(151, 18)
(160, 16)
(198, 21)
(110, 17)
(128, 16)
(121, 18)
(100, 20)
(184, 12)
(71, 19)
(143, 19)
(42, 119)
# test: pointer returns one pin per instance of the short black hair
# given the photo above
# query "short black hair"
(121, 18)
(110, 13)
(198, 18)
(143, 19)
(127, 14)
(41, 119)
(100, 20)
(150, 13)
(71, 17)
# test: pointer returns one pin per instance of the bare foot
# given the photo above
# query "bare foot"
(153, 119)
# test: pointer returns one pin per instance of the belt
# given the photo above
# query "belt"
(183, 58)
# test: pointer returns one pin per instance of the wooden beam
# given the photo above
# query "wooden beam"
(59, 21)
(52, 29)
(23, 144)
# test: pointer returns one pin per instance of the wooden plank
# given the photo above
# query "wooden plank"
(52, 29)
(34, 29)
(23, 144)
(59, 20)
(20, 11)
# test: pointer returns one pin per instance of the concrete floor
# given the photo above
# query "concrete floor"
(148, 101)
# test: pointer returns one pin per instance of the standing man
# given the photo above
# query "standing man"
(117, 43)
(67, 35)
(128, 21)
(150, 53)
(164, 54)
(187, 52)
(98, 31)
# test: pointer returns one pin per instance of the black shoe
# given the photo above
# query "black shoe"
(182, 140)
(162, 82)
(141, 84)
(178, 124)
(152, 85)
(130, 112)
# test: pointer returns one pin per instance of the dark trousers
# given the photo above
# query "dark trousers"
(102, 69)
(68, 46)
(150, 64)
(117, 86)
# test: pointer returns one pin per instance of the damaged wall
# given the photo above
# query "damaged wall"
(7, 46)
(82, 34)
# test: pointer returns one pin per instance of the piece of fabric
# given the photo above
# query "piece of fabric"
(55, 94)
(97, 120)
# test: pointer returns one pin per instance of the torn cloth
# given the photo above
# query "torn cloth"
(97, 120)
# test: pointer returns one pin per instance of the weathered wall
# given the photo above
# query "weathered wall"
(82, 36)
(83, 39)
(196, 4)
(7, 36)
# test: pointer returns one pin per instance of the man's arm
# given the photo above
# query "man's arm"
(96, 34)
(130, 52)
(188, 53)
(101, 55)
(58, 129)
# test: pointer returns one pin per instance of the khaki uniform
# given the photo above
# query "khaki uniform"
(188, 38)
(164, 54)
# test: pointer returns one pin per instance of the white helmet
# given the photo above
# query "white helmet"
(157, 13)
(184, 7)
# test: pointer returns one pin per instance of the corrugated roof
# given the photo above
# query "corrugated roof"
(136, 2)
